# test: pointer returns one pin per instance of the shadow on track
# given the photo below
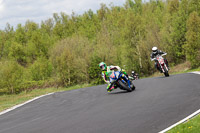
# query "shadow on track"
(165, 77)
(119, 92)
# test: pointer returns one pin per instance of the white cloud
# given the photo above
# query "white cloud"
(19, 11)
(1, 6)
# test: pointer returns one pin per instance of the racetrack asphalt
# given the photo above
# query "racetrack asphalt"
(156, 104)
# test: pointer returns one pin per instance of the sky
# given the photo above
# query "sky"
(19, 11)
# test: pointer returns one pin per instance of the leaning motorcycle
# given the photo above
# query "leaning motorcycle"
(162, 65)
(122, 81)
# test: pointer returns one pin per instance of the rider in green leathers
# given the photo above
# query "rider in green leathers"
(107, 71)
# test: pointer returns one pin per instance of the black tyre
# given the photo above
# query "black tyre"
(166, 72)
(124, 86)
(133, 87)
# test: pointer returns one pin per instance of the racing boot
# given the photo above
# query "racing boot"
(110, 89)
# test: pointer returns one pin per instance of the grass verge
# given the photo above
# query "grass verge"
(7, 101)
(191, 126)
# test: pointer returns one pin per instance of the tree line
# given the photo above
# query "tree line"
(66, 49)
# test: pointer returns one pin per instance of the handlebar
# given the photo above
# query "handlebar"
(157, 55)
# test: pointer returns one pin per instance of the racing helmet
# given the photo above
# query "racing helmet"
(155, 50)
(102, 65)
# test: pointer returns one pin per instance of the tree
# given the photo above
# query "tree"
(70, 59)
(192, 46)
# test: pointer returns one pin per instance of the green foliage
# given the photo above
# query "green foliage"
(178, 23)
(192, 46)
(173, 6)
(94, 70)
(20, 34)
(17, 52)
(70, 60)
(41, 69)
(11, 75)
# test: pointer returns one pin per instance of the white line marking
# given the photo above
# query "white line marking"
(185, 119)
(196, 72)
(19, 105)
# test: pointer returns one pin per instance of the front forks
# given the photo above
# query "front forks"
(127, 80)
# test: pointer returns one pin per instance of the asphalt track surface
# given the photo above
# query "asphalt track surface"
(156, 104)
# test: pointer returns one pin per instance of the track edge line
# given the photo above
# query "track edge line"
(22, 104)
(195, 72)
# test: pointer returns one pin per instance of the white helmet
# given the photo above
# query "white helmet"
(155, 50)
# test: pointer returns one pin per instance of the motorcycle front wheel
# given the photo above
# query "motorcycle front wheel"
(124, 86)
(166, 73)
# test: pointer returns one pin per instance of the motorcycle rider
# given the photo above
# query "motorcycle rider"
(156, 52)
(134, 75)
(107, 71)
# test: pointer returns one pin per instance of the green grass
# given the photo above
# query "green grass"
(191, 126)
(7, 101)
(186, 71)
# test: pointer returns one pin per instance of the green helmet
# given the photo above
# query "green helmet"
(102, 65)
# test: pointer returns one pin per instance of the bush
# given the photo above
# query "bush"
(94, 71)
(11, 74)
(70, 59)
(41, 69)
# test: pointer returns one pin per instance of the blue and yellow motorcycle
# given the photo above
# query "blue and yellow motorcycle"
(120, 80)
